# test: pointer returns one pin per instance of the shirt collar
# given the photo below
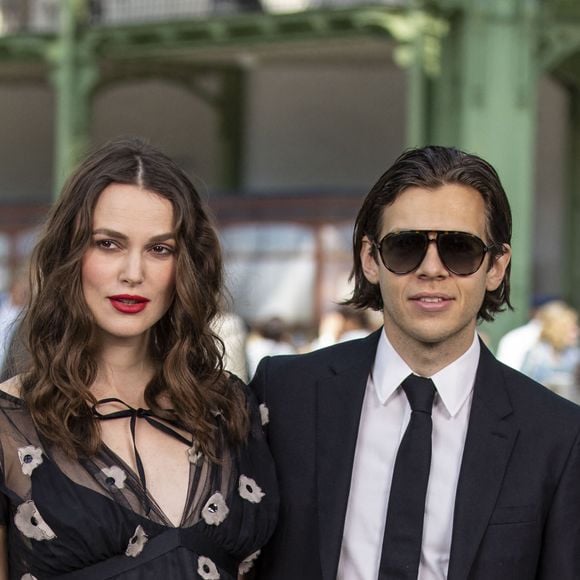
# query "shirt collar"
(454, 383)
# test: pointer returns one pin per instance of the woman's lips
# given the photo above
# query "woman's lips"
(128, 303)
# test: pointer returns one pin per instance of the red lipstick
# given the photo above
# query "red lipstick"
(128, 303)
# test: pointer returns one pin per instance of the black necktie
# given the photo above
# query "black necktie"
(404, 528)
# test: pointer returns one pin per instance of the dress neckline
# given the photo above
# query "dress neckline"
(165, 425)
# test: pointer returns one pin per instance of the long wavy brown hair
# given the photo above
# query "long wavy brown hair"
(59, 328)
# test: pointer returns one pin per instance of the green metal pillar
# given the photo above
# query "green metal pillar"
(446, 90)
(486, 102)
(417, 100)
(74, 77)
(419, 52)
(232, 111)
(572, 224)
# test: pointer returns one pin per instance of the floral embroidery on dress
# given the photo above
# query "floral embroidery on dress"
(250, 490)
(215, 510)
(29, 521)
(136, 543)
(247, 564)
(194, 453)
(207, 569)
(28, 577)
(114, 476)
(264, 414)
(30, 458)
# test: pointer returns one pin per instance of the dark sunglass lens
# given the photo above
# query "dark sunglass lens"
(402, 253)
(461, 253)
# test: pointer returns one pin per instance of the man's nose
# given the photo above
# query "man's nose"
(432, 264)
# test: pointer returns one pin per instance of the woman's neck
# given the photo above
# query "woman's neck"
(123, 372)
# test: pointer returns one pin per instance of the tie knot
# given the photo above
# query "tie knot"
(420, 393)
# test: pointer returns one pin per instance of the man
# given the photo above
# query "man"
(480, 480)
(515, 344)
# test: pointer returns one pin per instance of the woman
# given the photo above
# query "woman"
(554, 359)
(127, 451)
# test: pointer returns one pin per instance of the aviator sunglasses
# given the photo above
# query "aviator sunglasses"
(461, 253)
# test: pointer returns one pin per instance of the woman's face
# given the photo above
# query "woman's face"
(128, 271)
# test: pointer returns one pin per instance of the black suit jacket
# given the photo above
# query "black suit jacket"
(517, 508)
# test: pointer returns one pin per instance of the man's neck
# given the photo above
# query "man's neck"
(428, 358)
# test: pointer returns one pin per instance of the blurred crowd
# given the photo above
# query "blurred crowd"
(546, 348)
(246, 345)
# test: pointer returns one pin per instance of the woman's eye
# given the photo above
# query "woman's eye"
(162, 250)
(105, 244)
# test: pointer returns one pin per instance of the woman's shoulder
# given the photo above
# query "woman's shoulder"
(14, 416)
(12, 387)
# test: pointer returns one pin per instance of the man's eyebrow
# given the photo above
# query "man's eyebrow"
(114, 234)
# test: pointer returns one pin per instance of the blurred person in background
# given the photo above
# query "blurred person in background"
(356, 324)
(268, 338)
(127, 451)
(554, 359)
(341, 324)
(233, 332)
(10, 311)
(329, 329)
(515, 344)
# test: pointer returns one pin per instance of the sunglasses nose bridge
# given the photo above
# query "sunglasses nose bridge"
(426, 262)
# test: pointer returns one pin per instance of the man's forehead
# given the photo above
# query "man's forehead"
(448, 207)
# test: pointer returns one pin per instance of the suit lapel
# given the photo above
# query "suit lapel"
(491, 435)
(339, 401)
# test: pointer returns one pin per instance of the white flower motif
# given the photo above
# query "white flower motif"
(136, 543)
(215, 510)
(194, 453)
(114, 475)
(246, 565)
(250, 490)
(28, 577)
(264, 414)
(29, 521)
(30, 458)
(207, 569)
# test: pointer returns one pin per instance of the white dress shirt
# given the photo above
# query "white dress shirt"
(384, 418)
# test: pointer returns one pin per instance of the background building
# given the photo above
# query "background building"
(286, 112)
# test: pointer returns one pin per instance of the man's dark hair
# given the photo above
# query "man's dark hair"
(430, 168)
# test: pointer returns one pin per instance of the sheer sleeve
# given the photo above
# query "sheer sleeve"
(4, 513)
(18, 443)
(4, 505)
(257, 483)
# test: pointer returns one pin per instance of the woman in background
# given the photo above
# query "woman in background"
(126, 450)
(554, 359)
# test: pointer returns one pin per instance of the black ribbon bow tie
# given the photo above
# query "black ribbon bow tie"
(159, 423)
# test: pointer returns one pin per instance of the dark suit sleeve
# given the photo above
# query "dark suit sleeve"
(560, 556)
(259, 381)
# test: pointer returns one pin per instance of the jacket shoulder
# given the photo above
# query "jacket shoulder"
(335, 357)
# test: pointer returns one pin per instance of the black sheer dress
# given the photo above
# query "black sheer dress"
(93, 518)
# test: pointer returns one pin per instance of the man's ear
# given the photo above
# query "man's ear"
(496, 272)
(369, 263)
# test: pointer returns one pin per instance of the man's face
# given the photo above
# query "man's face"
(431, 306)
